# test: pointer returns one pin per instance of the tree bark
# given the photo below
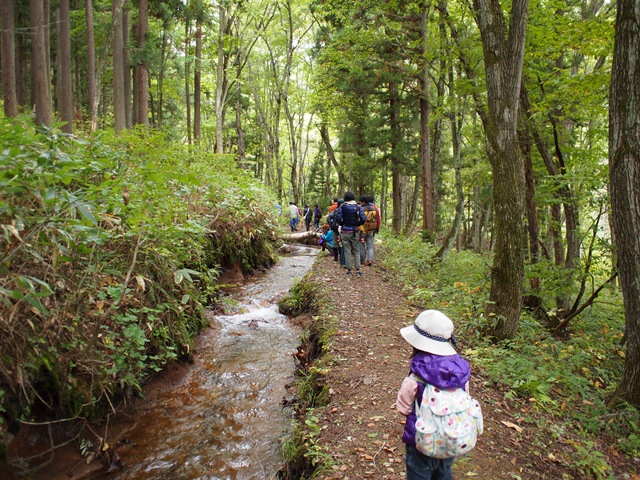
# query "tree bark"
(300, 235)
(197, 74)
(324, 134)
(140, 72)
(39, 62)
(396, 181)
(220, 78)
(21, 52)
(624, 176)
(187, 92)
(92, 89)
(428, 214)
(8, 58)
(533, 227)
(452, 235)
(65, 95)
(119, 111)
(503, 53)
(242, 147)
(126, 66)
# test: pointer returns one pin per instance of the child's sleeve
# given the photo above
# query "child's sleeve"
(406, 396)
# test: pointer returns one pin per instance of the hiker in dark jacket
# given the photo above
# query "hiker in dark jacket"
(317, 215)
(307, 215)
(350, 216)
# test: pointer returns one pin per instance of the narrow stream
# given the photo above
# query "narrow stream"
(225, 419)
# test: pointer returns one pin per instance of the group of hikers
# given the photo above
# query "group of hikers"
(349, 230)
(308, 215)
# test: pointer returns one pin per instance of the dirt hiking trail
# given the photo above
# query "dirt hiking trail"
(361, 429)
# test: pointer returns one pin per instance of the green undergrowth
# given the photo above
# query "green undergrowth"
(109, 248)
(561, 386)
(300, 451)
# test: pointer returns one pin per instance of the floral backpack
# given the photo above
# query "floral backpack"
(448, 422)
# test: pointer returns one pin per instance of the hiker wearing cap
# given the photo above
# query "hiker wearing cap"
(434, 362)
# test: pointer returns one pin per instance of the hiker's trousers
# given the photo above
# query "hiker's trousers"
(421, 467)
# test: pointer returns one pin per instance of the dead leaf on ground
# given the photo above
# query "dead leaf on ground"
(517, 428)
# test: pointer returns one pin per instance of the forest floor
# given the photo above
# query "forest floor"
(360, 428)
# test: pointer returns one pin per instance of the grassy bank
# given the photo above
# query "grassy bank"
(300, 452)
(109, 249)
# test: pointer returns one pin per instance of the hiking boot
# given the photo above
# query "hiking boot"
(358, 273)
(349, 274)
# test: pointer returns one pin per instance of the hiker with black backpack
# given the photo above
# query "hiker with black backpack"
(442, 420)
(307, 214)
(317, 215)
(350, 216)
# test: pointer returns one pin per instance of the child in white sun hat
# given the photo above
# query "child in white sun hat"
(434, 361)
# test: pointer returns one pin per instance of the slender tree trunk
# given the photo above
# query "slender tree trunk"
(197, 116)
(219, 105)
(21, 63)
(140, 72)
(242, 149)
(503, 58)
(46, 15)
(160, 89)
(324, 134)
(571, 259)
(477, 220)
(532, 214)
(92, 89)
(428, 213)
(624, 175)
(119, 110)
(452, 235)
(396, 181)
(8, 58)
(126, 68)
(412, 207)
(65, 100)
(39, 62)
(187, 73)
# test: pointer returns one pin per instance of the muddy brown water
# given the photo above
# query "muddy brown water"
(223, 417)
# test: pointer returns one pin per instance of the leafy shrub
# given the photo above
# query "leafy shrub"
(108, 249)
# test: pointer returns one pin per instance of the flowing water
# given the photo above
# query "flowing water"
(224, 419)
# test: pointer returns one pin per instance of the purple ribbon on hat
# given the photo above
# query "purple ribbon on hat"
(434, 337)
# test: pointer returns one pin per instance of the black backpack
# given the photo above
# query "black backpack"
(351, 215)
(332, 220)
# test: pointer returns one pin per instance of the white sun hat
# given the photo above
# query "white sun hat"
(431, 332)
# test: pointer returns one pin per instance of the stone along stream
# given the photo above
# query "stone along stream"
(224, 418)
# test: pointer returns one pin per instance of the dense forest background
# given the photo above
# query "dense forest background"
(476, 125)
